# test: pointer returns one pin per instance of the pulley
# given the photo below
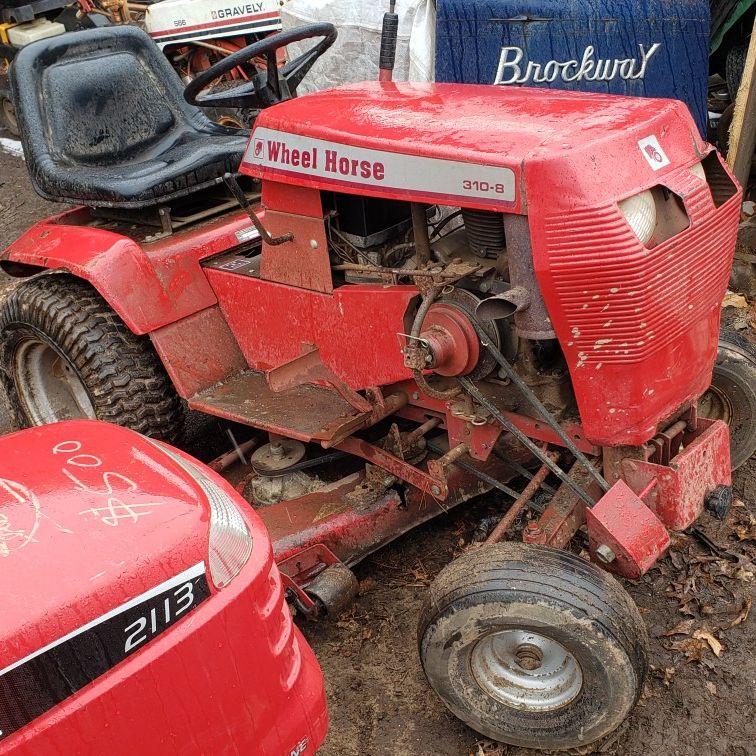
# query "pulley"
(452, 340)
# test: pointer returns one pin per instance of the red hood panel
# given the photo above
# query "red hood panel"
(467, 144)
(477, 123)
(91, 515)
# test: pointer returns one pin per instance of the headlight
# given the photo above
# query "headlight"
(698, 170)
(640, 212)
(230, 539)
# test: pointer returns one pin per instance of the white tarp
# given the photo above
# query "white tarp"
(354, 55)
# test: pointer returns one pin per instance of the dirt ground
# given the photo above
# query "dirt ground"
(696, 701)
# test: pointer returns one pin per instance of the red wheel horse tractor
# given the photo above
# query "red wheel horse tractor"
(442, 289)
(142, 609)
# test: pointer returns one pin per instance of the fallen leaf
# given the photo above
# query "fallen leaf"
(669, 673)
(420, 574)
(745, 532)
(711, 688)
(714, 644)
(681, 628)
(489, 748)
(735, 300)
(693, 648)
(365, 585)
(348, 623)
(744, 612)
(677, 561)
(646, 694)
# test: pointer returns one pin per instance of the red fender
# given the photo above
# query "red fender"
(149, 285)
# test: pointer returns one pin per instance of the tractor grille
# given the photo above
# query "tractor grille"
(638, 326)
(622, 302)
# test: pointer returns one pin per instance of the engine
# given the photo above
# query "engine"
(475, 271)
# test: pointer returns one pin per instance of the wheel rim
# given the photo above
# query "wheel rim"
(526, 670)
(48, 385)
(715, 405)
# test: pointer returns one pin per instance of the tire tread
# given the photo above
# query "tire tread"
(123, 374)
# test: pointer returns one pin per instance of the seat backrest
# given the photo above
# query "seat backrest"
(97, 97)
(91, 117)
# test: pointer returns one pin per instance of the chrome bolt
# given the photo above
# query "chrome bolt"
(605, 554)
(313, 244)
(435, 490)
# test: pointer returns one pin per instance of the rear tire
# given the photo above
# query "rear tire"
(732, 395)
(8, 112)
(734, 67)
(533, 646)
(65, 354)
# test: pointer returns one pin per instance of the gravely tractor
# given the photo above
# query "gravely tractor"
(193, 34)
(432, 291)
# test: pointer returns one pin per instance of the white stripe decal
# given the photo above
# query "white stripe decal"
(188, 574)
(340, 163)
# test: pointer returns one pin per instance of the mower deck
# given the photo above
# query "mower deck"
(359, 514)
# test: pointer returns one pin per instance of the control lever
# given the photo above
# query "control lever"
(241, 198)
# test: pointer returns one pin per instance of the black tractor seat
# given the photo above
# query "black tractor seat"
(104, 123)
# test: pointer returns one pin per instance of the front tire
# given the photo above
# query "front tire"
(533, 646)
(732, 394)
(65, 354)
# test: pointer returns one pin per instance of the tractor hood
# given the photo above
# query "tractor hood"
(92, 516)
(472, 145)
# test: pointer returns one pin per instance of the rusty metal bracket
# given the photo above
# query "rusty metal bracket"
(309, 368)
(667, 443)
(473, 390)
(390, 405)
(436, 487)
(519, 504)
(564, 515)
(301, 568)
(482, 476)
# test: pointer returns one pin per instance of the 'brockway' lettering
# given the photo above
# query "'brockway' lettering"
(587, 69)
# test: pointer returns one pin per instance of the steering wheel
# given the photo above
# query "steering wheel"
(267, 86)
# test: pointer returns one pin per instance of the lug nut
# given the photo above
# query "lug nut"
(529, 657)
(605, 554)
